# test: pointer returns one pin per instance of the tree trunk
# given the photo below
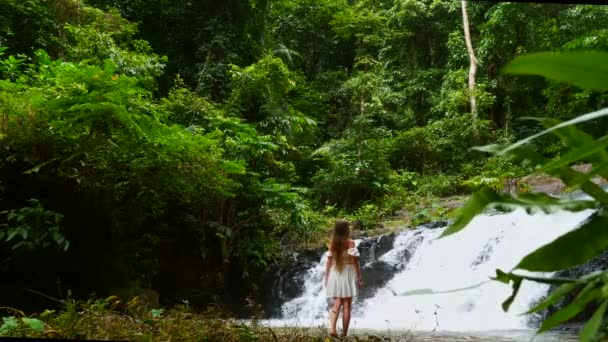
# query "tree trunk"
(472, 58)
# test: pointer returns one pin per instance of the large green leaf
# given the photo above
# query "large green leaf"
(568, 175)
(579, 119)
(541, 202)
(559, 280)
(502, 277)
(566, 285)
(556, 295)
(584, 69)
(589, 293)
(584, 152)
(9, 323)
(571, 249)
(507, 303)
(34, 324)
(574, 178)
(531, 202)
(593, 325)
(475, 205)
(582, 144)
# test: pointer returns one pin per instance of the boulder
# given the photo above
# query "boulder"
(436, 224)
(285, 281)
(373, 248)
(376, 275)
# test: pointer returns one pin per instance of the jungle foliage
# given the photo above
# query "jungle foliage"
(214, 135)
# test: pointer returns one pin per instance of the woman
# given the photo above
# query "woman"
(342, 275)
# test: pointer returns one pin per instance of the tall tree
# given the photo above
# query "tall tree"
(472, 59)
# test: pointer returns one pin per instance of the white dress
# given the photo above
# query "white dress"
(343, 284)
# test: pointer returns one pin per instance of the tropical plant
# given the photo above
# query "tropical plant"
(33, 227)
(585, 70)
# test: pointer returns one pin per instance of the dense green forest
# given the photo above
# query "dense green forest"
(183, 146)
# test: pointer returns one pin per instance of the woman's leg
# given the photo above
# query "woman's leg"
(333, 315)
(346, 302)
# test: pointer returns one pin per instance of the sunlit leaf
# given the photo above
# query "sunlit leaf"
(582, 144)
(579, 119)
(156, 313)
(34, 324)
(578, 154)
(531, 202)
(36, 168)
(584, 69)
(542, 202)
(568, 175)
(9, 323)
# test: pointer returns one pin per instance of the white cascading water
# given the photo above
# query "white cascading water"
(460, 260)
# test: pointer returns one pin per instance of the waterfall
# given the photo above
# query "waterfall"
(419, 260)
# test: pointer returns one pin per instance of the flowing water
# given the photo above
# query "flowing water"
(467, 258)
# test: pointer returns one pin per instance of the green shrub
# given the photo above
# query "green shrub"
(412, 151)
(355, 171)
(440, 185)
(442, 146)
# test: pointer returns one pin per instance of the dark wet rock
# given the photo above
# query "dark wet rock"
(535, 319)
(285, 281)
(436, 224)
(385, 244)
(375, 275)
(374, 247)
(378, 273)
(404, 256)
(486, 251)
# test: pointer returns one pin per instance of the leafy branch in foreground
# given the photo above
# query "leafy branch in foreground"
(585, 70)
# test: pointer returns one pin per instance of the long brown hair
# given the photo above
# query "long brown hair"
(338, 242)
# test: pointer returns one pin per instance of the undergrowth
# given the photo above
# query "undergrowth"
(110, 319)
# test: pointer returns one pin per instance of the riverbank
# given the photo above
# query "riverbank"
(427, 336)
(109, 319)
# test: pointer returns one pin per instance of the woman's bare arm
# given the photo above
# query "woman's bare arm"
(356, 264)
(358, 270)
(327, 268)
